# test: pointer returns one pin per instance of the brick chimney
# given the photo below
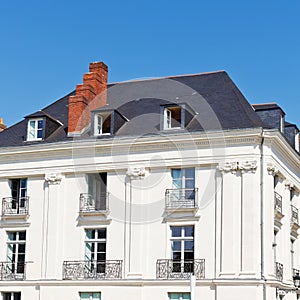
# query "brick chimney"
(89, 96)
(2, 126)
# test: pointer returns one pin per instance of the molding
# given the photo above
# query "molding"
(272, 169)
(233, 167)
(136, 173)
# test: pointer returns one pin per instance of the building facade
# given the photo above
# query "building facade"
(169, 188)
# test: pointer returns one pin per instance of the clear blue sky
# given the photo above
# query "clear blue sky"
(46, 46)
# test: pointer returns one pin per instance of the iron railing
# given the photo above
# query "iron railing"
(97, 270)
(15, 206)
(279, 271)
(277, 202)
(12, 270)
(180, 269)
(88, 203)
(296, 272)
(294, 216)
(181, 198)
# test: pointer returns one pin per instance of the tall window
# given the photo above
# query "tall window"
(35, 129)
(90, 296)
(183, 180)
(95, 250)
(97, 191)
(16, 245)
(179, 296)
(182, 245)
(11, 296)
(18, 194)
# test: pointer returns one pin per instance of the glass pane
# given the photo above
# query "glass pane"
(90, 234)
(186, 296)
(188, 255)
(11, 236)
(189, 231)
(189, 184)
(174, 296)
(17, 296)
(189, 245)
(176, 255)
(190, 173)
(96, 296)
(22, 235)
(176, 173)
(102, 233)
(101, 247)
(40, 134)
(176, 245)
(101, 257)
(85, 296)
(23, 183)
(40, 124)
(21, 248)
(176, 231)
(177, 184)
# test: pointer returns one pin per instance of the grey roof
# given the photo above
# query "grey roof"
(212, 99)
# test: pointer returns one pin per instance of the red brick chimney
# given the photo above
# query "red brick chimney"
(2, 126)
(89, 96)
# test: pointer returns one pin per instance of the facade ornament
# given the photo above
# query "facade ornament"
(53, 178)
(136, 172)
(248, 166)
(288, 184)
(272, 170)
(233, 167)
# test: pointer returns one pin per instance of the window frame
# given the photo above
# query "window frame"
(91, 295)
(36, 129)
(167, 117)
(11, 294)
(181, 296)
(99, 120)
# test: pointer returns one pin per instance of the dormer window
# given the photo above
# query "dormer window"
(173, 117)
(102, 124)
(35, 129)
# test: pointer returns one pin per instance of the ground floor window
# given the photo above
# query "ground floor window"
(11, 296)
(179, 296)
(90, 296)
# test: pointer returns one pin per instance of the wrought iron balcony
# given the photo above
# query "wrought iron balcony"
(88, 203)
(15, 206)
(92, 270)
(279, 271)
(180, 269)
(181, 198)
(277, 203)
(12, 270)
(294, 216)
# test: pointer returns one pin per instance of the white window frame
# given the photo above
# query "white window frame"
(167, 122)
(11, 294)
(32, 133)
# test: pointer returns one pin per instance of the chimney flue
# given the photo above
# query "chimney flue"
(2, 126)
(90, 95)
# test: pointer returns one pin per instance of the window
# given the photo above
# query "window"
(183, 183)
(11, 296)
(35, 129)
(95, 250)
(90, 296)
(182, 245)
(179, 296)
(172, 117)
(16, 251)
(97, 191)
(18, 202)
(102, 124)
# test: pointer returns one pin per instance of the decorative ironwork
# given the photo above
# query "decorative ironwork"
(294, 217)
(89, 204)
(93, 270)
(180, 269)
(15, 206)
(12, 270)
(181, 198)
(279, 271)
(277, 202)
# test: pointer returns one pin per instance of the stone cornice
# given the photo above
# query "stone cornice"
(234, 166)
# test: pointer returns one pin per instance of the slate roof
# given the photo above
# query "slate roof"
(212, 98)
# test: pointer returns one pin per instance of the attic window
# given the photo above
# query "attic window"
(102, 124)
(35, 129)
(172, 117)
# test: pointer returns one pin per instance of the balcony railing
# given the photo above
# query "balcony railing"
(296, 272)
(181, 198)
(294, 217)
(15, 206)
(279, 271)
(174, 269)
(277, 202)
(92, 270)
(12, 270)
(88, 203)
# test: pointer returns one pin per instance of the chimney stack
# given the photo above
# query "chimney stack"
(89, 96)
(2, 126)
